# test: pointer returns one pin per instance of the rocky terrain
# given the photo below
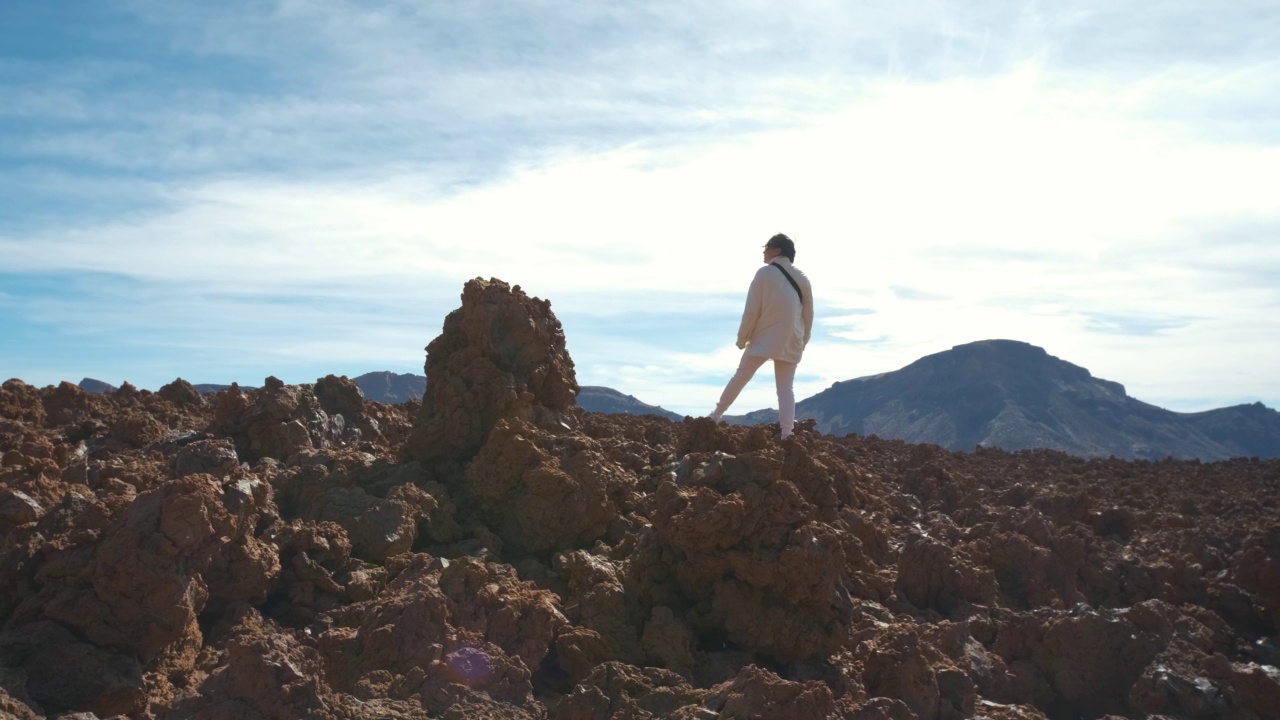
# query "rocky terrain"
(1016, 396)
(492, 551)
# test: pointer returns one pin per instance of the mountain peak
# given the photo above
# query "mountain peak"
(1015, 395)
(1003, 346)
(1012, 367)
(90, 385)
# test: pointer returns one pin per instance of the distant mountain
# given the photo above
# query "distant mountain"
(1015, 396)
(594, 398)
(391, 388)
(214, 387)
(1245, 430)
(90, 385)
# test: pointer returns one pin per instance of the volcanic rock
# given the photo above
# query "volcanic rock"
(774, 577)
(542, 496)
(281, 420)
(339, 396)
(215, 457)
(501, 355)
(181, 392)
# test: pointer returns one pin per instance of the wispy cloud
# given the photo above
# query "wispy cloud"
(308, 182)
(909, 293)
(1131, 326)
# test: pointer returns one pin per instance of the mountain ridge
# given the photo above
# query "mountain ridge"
(597, 398)
(1016, 396)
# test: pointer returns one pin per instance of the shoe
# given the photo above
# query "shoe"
(715, 416)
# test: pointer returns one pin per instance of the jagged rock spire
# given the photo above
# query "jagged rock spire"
(500, 355)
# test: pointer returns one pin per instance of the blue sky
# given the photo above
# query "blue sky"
(224, 191)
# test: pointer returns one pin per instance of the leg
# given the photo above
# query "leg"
(747, 368)
(785, 375)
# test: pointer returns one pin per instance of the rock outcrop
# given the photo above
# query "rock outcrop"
(275, 553)
(500, 356)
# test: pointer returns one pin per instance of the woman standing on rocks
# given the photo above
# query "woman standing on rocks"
(775, 326)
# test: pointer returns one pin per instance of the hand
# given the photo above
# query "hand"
(742, 346)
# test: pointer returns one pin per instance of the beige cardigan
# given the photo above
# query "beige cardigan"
(775, 324)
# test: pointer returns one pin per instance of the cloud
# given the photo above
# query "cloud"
(909, 293)
(149, 332)
(1108, 37)
(973, 190)
(303, 173)
(328, 85)
(1131, 325)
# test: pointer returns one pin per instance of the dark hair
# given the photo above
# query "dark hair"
(783, 243)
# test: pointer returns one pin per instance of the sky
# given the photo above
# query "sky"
(226, 191)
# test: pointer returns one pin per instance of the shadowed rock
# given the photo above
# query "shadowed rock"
(181, 392)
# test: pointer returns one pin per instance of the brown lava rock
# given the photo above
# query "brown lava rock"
(501, 355)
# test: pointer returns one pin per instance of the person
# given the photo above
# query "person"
(776, 324)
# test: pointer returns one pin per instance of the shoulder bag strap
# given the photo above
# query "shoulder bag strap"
(791, 280)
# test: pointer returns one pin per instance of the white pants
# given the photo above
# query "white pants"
(784, 373)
